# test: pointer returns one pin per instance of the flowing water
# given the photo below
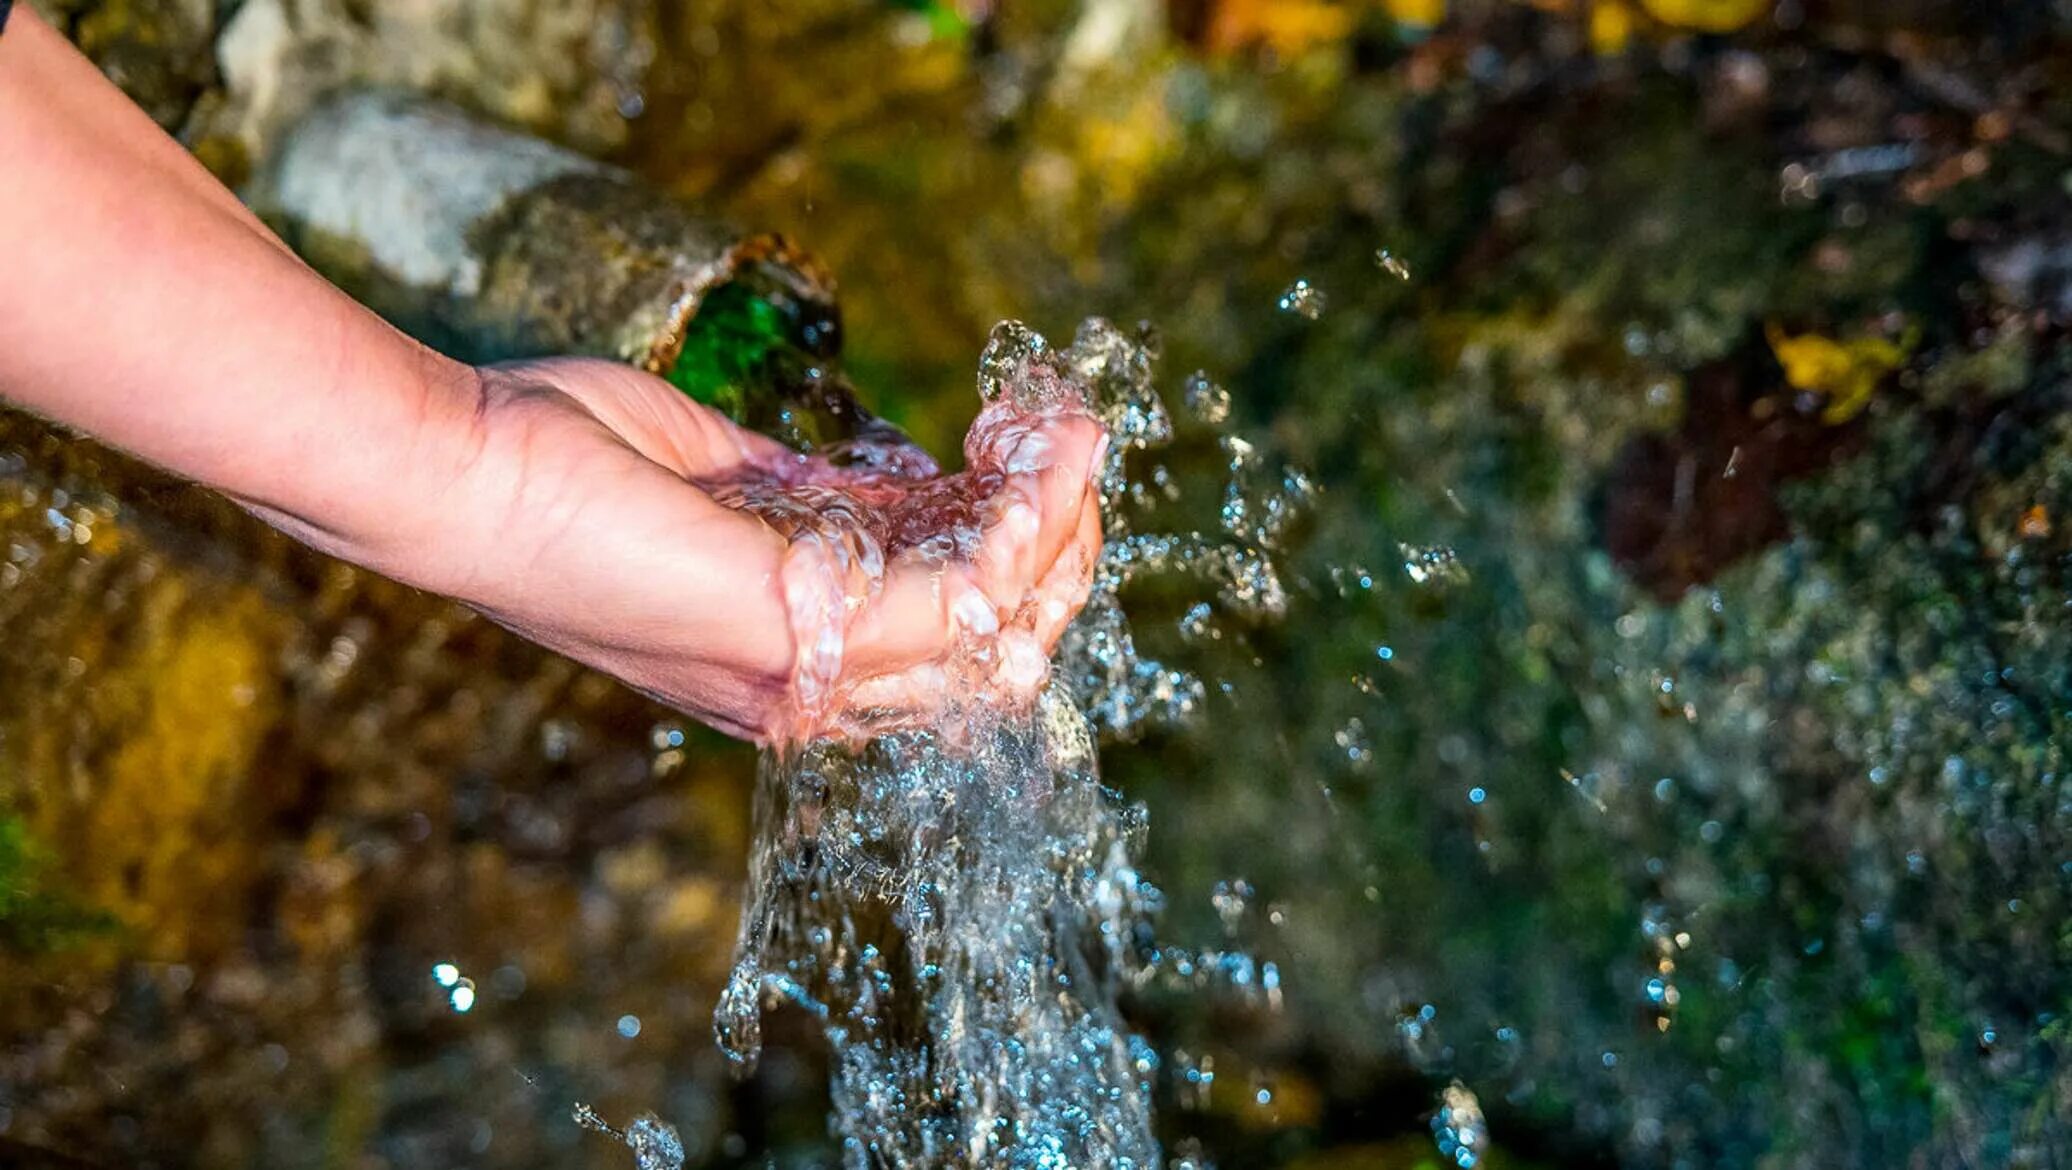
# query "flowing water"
(958, 905)
(1660, 763)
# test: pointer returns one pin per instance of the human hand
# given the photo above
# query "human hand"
(604, 515)
(573, 501)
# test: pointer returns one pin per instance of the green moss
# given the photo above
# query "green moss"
(727, 348)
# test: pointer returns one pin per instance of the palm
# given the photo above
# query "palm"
(615, 551)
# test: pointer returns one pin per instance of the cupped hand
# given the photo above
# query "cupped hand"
(604, 515)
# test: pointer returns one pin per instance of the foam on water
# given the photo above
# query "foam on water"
(955, 897)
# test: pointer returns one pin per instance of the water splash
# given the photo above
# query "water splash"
(654, 1142)
(960, 919)
(1098, 663)
(958, 905)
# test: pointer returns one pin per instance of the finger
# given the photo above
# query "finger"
(918, 609)
(900, 699)
(1064, 589)
(1020, 665)
(1039, 507)
(656, 419)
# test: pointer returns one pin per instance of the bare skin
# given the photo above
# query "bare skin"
(142, 303)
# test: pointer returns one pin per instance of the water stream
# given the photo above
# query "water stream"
(958, 905)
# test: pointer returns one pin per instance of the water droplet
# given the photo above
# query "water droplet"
(1352, 739)
(1432, 565)
(1205, 400)
(1458, 1127)
(1303, 299)
(654, 1142)
(1230, 898)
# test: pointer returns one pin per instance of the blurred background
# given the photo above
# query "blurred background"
(1662, 749)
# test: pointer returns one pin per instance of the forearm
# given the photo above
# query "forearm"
(140, 302)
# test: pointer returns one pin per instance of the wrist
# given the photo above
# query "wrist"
(390, 477)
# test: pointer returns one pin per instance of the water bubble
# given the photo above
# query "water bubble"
(1302, 299)
(629, 1026)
